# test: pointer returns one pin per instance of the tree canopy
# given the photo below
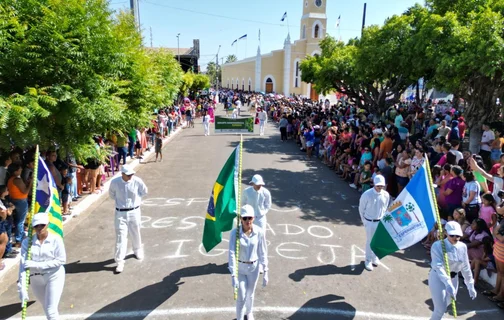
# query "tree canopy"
(70, 70)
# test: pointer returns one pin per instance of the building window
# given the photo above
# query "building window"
(249, 84)
(316, 32)
(297, 73)
(243, 84)
(303, 33)
(227, 83)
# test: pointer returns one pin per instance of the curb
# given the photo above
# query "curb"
(84, 204)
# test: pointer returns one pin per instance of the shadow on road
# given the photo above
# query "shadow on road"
(326, 307)
(142, 302)
(8, 311)
(327, 270)
(85, 267)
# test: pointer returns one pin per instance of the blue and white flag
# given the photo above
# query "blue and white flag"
(338, 21)
(284, 16)
(242, 37)
(409, 218)
(232, 44)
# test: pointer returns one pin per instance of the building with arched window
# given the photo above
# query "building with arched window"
(278, 71)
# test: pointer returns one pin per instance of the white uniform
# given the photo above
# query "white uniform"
(261, 202)
(263, 117)
(253, 252)
(128, 197)
(206, 124)
(47, 274)
(372, 207)
(238, 106)
(439, 280)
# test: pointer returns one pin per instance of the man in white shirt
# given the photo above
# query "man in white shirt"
(259, 198)
(263, 117)
(238, 106)
(127, 191)
(372, 207)
(485, 146)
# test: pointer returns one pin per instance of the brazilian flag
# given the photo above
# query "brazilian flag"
(222, 205)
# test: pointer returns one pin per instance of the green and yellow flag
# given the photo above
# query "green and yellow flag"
(222, 205)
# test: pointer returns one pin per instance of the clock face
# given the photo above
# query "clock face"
(318, 3)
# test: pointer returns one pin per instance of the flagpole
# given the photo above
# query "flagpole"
(30, 229)
(246, 42)
(440, 231)
(238, 214)
(288, 27)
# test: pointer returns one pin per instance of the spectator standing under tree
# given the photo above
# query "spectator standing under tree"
(158, 147)
(283, 128)
(18, 191)
(485, 146)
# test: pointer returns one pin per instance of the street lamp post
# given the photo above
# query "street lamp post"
(178, 47)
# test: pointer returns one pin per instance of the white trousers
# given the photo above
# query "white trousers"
(127, 222)
(261, 126)
(248, 274)
(47, 289)
(370, 231)
(206, 125)
(440, 298)
(261, 223)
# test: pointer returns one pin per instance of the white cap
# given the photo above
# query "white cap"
(247, 211)
(257, 180)
(379, 180)
(127, 170)
(40, 218)
(453, 228)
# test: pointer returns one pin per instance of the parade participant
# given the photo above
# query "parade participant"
(252, 255)
(47, 272)
(263, 117)
(127, 191)
(260, 199)
(372, 207)
(206, 123)
(444, 286)
(238, 106)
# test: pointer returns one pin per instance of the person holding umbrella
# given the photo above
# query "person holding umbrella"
(252, 253)
(443, 286)
(47, 272)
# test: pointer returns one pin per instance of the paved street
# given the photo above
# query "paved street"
(315, 237)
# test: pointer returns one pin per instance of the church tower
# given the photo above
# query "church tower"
(313, 24)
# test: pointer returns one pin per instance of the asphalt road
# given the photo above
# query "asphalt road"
(315, 240)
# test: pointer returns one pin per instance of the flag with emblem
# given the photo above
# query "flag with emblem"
(47, 198)
(409, 218)
(221, 209)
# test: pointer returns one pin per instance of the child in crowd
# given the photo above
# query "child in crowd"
(487, 210)
(459, 215)
(365, 177)
(475, 246)
(65, 193)
(487, 261)
(433, 236)
(158, 146)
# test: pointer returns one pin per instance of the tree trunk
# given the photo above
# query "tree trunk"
(475, 138)
(417, 98)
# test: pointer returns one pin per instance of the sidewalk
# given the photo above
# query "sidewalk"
(82, 205)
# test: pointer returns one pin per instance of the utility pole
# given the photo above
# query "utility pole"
(151, 37)
(363, 19)
(217, 69)
(222, 60)
(178, 47)
(136, 12)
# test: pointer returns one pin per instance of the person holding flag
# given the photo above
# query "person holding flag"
(46, 265)
(252, 255)
(443, 285)
(372, 207)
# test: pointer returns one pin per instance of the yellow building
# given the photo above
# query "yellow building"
(278, 71)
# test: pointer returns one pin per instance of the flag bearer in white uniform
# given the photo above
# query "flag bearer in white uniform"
(444, 286)
(260, 199)
(252, 254)
(127, 191)
(372, 207)
(47, 274)
(263, 117)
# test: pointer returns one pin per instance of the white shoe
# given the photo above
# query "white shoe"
(120, 267)
(353, 186)
(376, 262)
(140, 255)
(368, 266)
(250, 316)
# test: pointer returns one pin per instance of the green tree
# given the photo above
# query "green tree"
(231, 58)
(200, 82)
(214, 73)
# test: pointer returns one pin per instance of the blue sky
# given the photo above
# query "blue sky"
(220, 22)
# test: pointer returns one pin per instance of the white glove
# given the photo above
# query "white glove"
(30, 264)
(23, 292)
(265, 279)
(234, 282)
(472, 292)
(450, 289)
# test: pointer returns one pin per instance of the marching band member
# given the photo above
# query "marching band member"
(444, 286)
(252, 253)
(47, 274)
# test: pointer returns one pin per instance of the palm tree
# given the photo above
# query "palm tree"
(231, 58)
(389, 219)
